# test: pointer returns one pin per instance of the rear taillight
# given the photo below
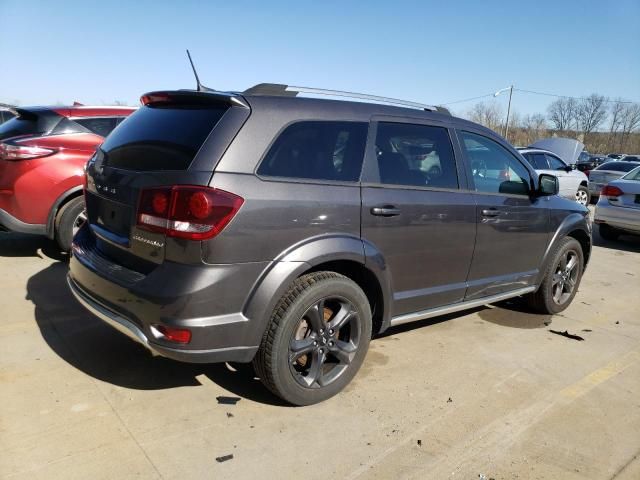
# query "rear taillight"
(587, 172)
(176, 335)
(195, 213)
(23, 152)
(611, 191)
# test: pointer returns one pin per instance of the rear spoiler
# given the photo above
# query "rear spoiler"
(193, 97)
(19, 112)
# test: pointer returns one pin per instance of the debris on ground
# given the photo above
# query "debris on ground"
(546, 324)
(585, 303)
(449, 400)
(568, 335)
(228, 400)
(224, 458)
(229, 415)
(587, 330)
(419, 443)
(617, 322)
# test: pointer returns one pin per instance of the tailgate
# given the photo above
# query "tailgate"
(169, 141)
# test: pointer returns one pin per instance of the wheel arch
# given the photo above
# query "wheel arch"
(60, 202)
(344, 254)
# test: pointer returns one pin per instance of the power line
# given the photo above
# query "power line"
(567, 96)
(468, 99)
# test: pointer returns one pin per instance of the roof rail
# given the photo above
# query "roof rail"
(277, 89)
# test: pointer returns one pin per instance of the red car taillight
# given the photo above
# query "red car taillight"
(184, 211)
(611, 191)
(23, 152)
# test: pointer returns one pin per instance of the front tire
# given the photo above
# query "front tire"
(68, 221)
(582, 196)
(316, 340)
(561, 280)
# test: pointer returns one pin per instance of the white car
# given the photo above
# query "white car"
(618, 209)
(573, 183)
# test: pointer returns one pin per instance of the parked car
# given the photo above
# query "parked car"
(608, 172)
(259, 226)
(618, 210)
(630, 158)
(585, 166)
(574, 184)
(43, 151)
(5, 114)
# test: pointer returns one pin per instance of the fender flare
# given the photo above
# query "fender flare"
(301, 257)
(51, 219)
(572, 222)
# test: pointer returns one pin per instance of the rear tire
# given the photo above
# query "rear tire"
(316, 340)
(69, 219)
(582, 196)
(561, 279)
(608, 232)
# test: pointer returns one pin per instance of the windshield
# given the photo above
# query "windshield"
(161, 137)
(617, 166)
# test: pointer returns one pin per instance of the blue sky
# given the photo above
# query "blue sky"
(431, 52)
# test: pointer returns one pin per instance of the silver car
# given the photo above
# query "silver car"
(618, 210)
(606, 173)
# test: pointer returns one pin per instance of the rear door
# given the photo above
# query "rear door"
(512, 225)
(417, 212)
(167, 142)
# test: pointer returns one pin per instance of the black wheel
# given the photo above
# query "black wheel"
(561, 279)
(608, 232)
(69, 219)
(317, 339)
(582, 195)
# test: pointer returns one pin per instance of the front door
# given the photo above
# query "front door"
(417, 213)
(512, 224)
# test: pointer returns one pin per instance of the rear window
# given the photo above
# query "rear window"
(618, 166)
(161, 137)
(317, 151)
(36, 122)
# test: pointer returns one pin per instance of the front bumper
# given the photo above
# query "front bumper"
(12, 224)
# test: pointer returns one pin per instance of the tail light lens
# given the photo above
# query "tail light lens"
(183, 211)
(176, 335)
(23, 152)
(611, 191)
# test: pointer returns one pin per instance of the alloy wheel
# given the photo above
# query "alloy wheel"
(565, 277)
(582, 197)
(324, 342)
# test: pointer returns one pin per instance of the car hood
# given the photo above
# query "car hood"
(567, 149)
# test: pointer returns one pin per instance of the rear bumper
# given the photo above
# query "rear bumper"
(206, 299)
(627, 219)
(130, 329)
(12, 224)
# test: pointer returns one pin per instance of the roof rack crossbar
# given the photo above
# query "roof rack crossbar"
(291, 90)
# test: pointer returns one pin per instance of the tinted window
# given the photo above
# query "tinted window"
(494, 168)
(68, 126)
(632, 158)
(317, 150)
(99, 126)
(618, 166)
(537, 161)
(416, 155)
(556, 163)
(159, 137)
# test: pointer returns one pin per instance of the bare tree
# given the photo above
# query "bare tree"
(535, 127)
(591, 112)
(487, 114)
(630, 122)
(616, 113)
(563, 113)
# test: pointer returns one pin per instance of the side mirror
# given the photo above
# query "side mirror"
(547, 185)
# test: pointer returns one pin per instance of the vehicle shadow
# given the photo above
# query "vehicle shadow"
(96, 349)
(24, 245)
(626, 243)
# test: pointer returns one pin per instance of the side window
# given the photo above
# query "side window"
(68, 126)
(537, 161)
(416, 155)
(318, 151)
(556, 163)
(493, 167)
(99, 126)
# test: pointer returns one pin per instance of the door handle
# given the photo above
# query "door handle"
(490, 212)
(385, 211)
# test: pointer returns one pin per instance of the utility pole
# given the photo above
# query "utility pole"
(506, 125)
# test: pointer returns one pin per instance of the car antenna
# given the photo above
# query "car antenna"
(200, 87)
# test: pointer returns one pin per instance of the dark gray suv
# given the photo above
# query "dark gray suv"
(262, 226)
